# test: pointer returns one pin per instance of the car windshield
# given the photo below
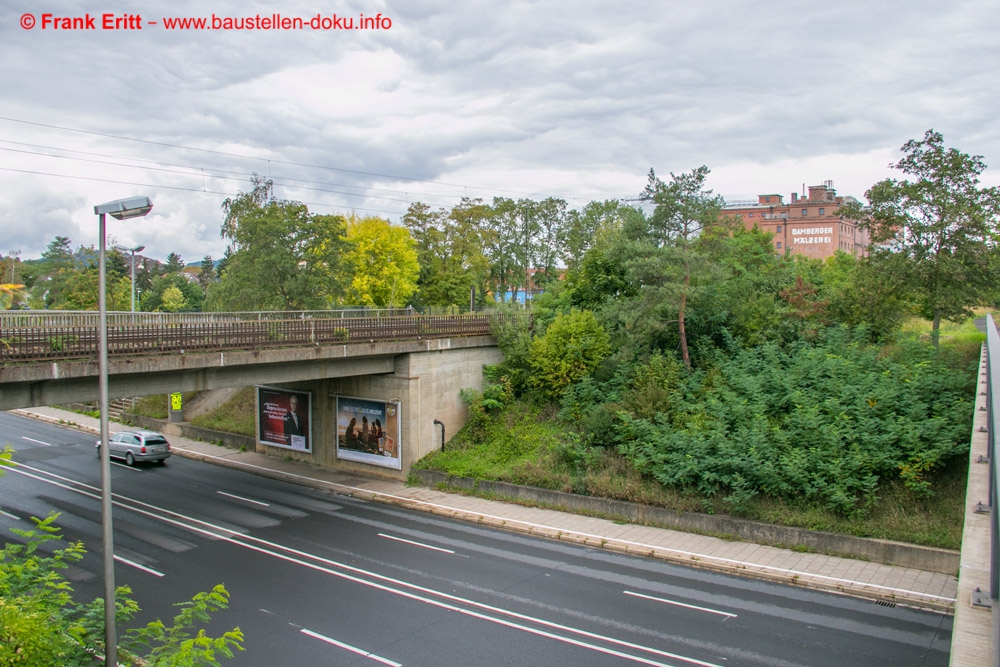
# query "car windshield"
(156, 440)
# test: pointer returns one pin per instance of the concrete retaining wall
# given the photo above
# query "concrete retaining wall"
(879, 551)
(232, 440)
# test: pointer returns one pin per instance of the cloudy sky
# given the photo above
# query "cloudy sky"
(478, 98)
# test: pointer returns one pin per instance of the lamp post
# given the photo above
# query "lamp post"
(138, 248)
(120, 209)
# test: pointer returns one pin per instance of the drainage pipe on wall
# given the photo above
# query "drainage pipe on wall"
(437, 423)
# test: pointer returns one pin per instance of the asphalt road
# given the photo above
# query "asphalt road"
(321, 579)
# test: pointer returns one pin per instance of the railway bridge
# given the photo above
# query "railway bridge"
(336, 363)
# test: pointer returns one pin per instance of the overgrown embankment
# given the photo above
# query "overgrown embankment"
(836, 434)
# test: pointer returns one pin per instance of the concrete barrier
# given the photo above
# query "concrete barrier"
(231, 440)
(879, 551)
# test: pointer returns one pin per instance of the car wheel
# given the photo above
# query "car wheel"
(162, 462)
(129, 459)
(98, 452)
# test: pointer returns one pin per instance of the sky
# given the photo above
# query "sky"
(433, 101)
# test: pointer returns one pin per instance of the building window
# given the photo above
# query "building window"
(767, 200)
(779, 229)
(779, 245)
(821, 211)
(805, 212)
(750, 215)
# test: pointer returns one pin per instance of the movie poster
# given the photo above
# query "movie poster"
(284, 418)
(368, 431)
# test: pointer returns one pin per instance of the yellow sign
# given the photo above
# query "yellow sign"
(175, 401)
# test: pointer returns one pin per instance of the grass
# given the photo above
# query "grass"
(234, 416)
(157, 406)
(527, 445)
(951, 334)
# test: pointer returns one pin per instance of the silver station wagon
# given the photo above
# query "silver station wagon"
(138, 446)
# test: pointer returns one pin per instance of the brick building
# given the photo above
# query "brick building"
(806, 226)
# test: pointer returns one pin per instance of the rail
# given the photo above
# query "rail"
(50, 336)
(993, 436)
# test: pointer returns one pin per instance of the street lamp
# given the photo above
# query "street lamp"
(138, 248)
(120, 209)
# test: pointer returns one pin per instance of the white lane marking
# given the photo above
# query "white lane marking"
(126, 466)
(416, 544)
(229, 535)
(681, 604)
(8, 514)
(404, 501)
(352, 649)
(255, 502)
(24, 437)
(138, 566)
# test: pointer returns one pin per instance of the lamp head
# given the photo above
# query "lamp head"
(123, 209)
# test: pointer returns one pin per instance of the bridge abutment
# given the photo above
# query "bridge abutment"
(426, 385)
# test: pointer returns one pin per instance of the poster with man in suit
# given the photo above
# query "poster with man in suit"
(283, 418)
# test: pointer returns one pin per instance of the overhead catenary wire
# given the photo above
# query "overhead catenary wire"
(186, 189)
(396, 177)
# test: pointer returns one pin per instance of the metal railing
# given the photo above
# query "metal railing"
(77, 318)
(45, 336)
(993, 439)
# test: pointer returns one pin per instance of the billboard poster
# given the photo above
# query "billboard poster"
(368, 431)
(284, 418)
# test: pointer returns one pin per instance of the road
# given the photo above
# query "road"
(322, 579)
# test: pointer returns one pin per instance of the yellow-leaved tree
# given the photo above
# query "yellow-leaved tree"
(381, 263)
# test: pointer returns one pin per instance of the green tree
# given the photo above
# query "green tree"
(184, 296)
(582, 228)
(935, 232)
(500, 245)
(172, 300)
(42, 624)
(174, 263)
(571, 348)
(280, 256)
(57, 266)
(80, 290)
(449, 251)
(207, 274)
(381, 260)
(669, 257)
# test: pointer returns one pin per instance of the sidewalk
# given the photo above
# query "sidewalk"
(907, 586)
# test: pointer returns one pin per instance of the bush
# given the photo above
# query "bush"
(572, 347)
(827, 421)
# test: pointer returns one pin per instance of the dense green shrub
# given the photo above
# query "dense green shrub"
(572, 347)
(827, 420)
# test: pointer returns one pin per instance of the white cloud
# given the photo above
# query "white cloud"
(484, 98)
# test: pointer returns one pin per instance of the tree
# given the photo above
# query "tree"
(280, 256)
(500, 245)
(937, 232)
(57, 266)
(173, 300)
(42, 624)
(572, 347)
(207, 274)
(173, 292)
(449, 250)
(174, 263)
(581, 228)
(381, 260)
(80, 290)
(683, 209)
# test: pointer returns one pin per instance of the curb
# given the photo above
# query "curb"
(888, 552)
(799, 579)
